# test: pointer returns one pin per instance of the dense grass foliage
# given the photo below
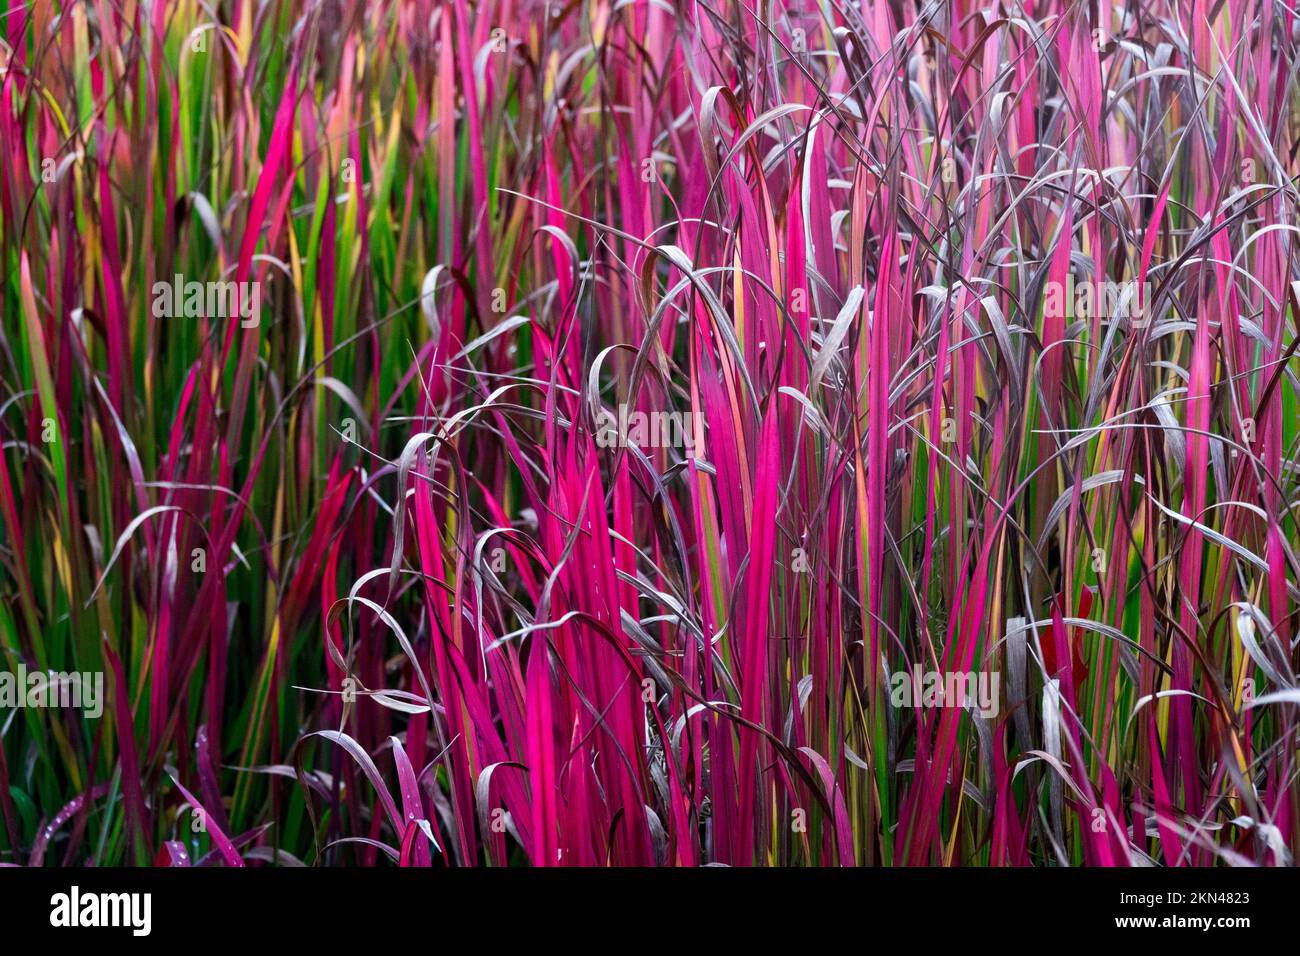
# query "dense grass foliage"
(497, 433)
